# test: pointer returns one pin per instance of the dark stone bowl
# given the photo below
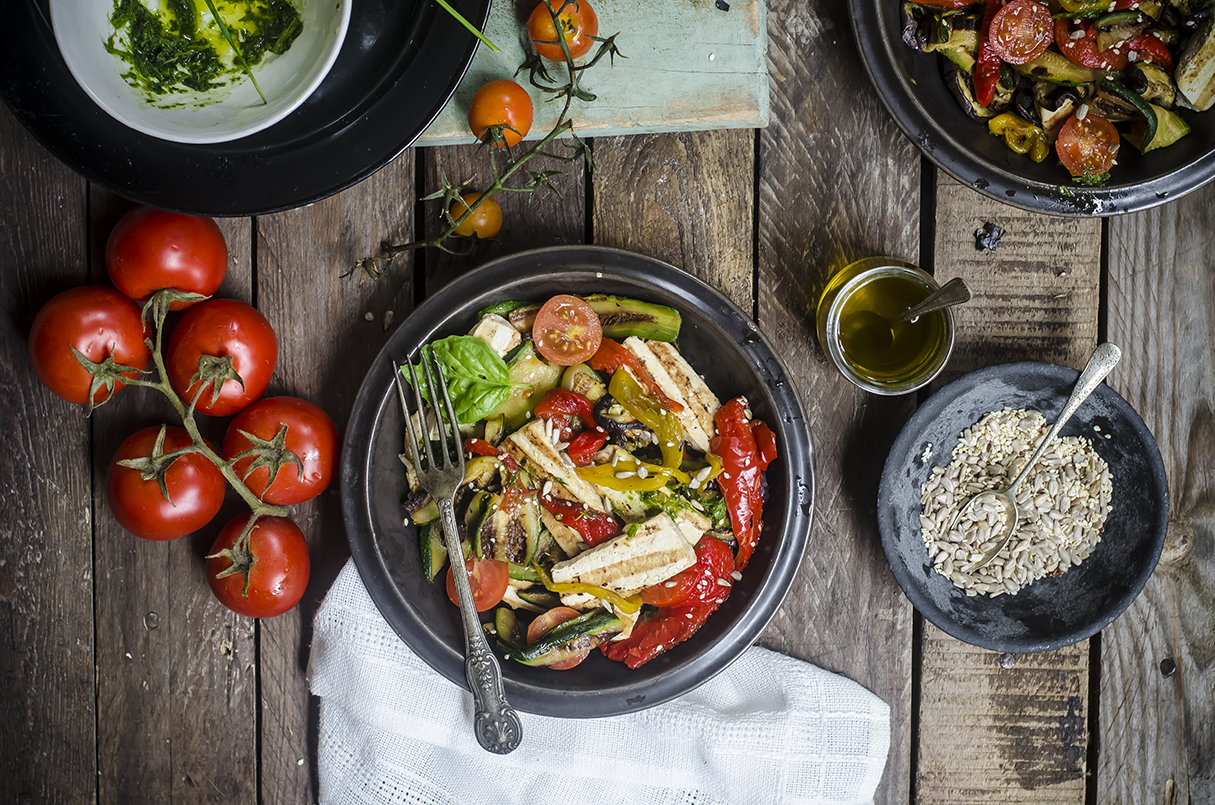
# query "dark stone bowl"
(1050, 612)
(912, 86)
(720, 342)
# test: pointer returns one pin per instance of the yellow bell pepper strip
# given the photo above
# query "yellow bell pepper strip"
(626, 476)
(629, 393)
(628, 605)
(1020, 135)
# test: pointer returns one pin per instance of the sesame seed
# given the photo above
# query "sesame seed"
(548, 488)
(668, 584)
(702, 474)
(615, 458)
(736, 575)
(642, 472)
(696, 505)
(1076, 34)
(561, 446)
(1082, 112)
(625, 474)
(689, 615)
(723, 583)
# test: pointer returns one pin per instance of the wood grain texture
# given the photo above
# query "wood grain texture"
(838, 182)
(176, 680)
(47, 703)
(1157, 740)
(989, 733)
(686, 199)
(529, 220)
(327, 344)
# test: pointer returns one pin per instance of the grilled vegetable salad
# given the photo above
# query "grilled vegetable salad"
(610, 499)
(1059, 75)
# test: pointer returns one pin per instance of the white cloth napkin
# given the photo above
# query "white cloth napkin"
(768, 729)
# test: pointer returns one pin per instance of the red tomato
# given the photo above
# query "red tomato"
(489, 579)
(1083, 49)
(706, 582)
(152, 249)
(224, 328)
(1021, 31)
(311, 436)
(484, 222)
(100, 323)
(195, 486)
(501, 103)
(1087, 147)
(544, 622)
(567, 331)
(278, 575)
(578, 24)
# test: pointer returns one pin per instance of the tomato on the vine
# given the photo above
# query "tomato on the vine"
(484, 222)
(567, 330)
(278, 575)
(194, 485)
(99, 322)
(501, 103)
(152, 249)
(1087, 147)
(311, 436)
(1021, 31)
(548, 620)
(488, 578)
(223, 328)
(578, 24)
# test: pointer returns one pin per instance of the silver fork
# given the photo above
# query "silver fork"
(496, 722)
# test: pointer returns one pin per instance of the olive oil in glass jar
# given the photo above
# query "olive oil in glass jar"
(858, 332)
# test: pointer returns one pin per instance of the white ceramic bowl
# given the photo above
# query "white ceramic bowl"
(222, 114)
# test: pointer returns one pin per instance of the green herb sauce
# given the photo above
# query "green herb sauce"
(180, 49)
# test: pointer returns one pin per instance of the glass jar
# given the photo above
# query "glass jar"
(857, 329)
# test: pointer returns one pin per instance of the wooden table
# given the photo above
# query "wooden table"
(124, 681)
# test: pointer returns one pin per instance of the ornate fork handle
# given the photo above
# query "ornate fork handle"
(495, 722)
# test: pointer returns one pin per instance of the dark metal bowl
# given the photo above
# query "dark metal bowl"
(1050, 612)
(912, 86)
(719, 341)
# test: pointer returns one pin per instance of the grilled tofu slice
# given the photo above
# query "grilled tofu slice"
(498, 333)
(679, 381)
(692, 524)
(532, 449)
(653, 552)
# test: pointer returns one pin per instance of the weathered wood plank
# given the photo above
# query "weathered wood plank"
(176, 681)
(687, 199)
(1157, 739)
(529, 220)
(986, 732)
(689, 66)
(47, 709)
(838, 182)
(326, 344)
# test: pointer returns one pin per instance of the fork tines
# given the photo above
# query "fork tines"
(444, 415)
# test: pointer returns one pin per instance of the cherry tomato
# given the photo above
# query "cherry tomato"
(152, 249)
(280, 570)
(1087, 147)
(578, 24)
(1021, 31)
(100, 323)
(224, 328)
(489, 579)
(484, 222)
(567, 331)
(1083, 49)
(700, 583)
(501, 103)
(311, 436)
(195, 486)
(544, 622)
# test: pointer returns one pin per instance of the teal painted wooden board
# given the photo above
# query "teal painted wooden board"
(690, 66)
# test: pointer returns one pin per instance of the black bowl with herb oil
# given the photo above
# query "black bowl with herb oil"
(858, 331)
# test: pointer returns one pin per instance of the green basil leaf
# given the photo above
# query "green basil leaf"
(477, 378)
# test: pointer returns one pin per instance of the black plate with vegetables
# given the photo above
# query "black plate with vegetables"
(717, 340)
(399, 64)
(1147, 61)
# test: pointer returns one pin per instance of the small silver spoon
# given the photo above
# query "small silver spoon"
(951, 293)
(1104, 358)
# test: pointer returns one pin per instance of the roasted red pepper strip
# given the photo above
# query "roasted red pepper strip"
(558, 405)
(585, 445)
(595, 527)
(658, 633)
(1151, 49)
(480, 447)
(987, 67)
(741, 479)
(765, 442)
(612, 355)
